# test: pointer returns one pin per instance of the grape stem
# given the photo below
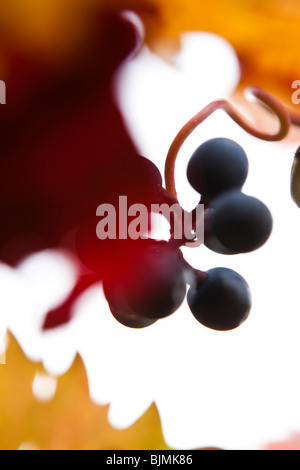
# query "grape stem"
(194, 277)
(284, 117)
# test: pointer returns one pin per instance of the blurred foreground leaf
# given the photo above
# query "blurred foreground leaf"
(291, 443)
(70, 420)
(265, 35)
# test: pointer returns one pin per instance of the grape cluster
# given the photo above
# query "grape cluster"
(151, 282)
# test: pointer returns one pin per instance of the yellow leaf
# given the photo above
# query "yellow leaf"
(69, 420)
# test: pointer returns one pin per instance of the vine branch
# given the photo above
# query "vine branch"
(284, 117)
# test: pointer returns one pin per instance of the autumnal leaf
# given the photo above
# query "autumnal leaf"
(57, 31)
(39, 29)
(72, 152)
(68, 421)
(265, 35)
(291, 443)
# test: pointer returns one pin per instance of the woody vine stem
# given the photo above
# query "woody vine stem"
(285, 120)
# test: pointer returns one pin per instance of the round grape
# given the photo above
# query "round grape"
(120, 309)
(238, 223)
(222, 301)
(216, 166)
(148, 172)
(152, 283)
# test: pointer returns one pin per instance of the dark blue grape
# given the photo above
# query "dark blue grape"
(237, 223)
(216, 166)
(222, 301)
(151, 284)
(121, 310)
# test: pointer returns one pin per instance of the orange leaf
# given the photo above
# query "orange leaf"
(265, 35)
(69, 420)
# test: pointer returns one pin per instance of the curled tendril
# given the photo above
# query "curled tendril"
(285, 120)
